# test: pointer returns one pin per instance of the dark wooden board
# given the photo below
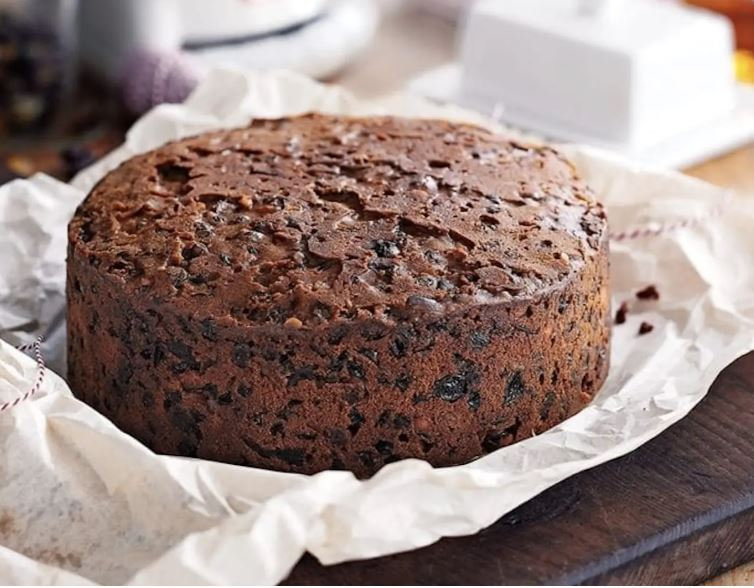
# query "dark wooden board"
(679, 509)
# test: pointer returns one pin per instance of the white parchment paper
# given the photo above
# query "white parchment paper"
(81, 502)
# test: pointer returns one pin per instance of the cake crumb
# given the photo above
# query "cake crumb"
(648, 293)
(622, 312)
(645, 328)
(293, 322)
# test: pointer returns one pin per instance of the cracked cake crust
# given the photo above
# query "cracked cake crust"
(322, 291)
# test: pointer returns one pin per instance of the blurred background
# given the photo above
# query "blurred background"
(669, 83)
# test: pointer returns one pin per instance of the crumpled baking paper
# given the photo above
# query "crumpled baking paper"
(81, 502)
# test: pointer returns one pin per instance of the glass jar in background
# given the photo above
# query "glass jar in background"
(37, 64)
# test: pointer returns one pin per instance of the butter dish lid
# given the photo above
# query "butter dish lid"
(622, 25)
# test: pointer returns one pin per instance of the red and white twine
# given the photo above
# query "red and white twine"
(36, 348)
(662, 228)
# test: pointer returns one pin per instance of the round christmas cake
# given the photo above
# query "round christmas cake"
(326, 292)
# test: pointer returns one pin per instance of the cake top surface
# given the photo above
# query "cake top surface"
(316, 217)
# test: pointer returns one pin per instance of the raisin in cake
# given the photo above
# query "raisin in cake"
(324, 292)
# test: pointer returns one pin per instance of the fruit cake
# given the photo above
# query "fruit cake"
(323, 292)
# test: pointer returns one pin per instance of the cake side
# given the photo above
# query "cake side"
(352, 394)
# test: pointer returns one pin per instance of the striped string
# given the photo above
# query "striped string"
(36, 348)
(655, 230)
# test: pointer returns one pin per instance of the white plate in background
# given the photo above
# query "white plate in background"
(318, 49)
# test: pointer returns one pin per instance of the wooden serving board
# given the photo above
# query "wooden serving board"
(679, 509)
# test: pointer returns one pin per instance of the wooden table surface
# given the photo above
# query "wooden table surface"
(410, 41)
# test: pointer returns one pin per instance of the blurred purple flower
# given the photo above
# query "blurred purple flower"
(155, 77)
